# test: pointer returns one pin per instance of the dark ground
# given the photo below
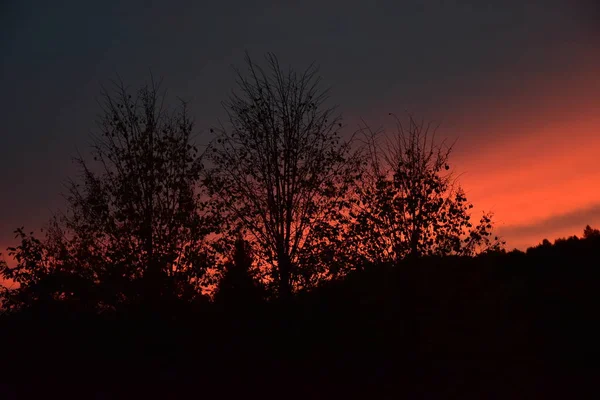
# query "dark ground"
(510, 326)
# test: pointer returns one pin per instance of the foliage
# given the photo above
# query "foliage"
(280, 171)
(43, 277)
(408, 204)
(135, 224)
(281, 185)
(138, 209)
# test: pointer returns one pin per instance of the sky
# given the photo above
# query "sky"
(517, 84)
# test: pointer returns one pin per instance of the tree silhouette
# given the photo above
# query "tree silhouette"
(135, 214)
(240, 286)
(280, 170)
(42, 278)
(408, 204)
(590, 232)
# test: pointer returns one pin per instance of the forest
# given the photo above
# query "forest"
(285, 258)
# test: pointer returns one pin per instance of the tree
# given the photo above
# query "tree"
(43, 278)
(590, 232)
(407, 203)
(136, 217)
(280, 170)
(240, 286)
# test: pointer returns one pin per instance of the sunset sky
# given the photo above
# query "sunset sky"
(517, 82)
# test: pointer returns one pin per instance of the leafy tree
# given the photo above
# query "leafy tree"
(43, 277)
(280, 171)
(135, 216)
(407, 203)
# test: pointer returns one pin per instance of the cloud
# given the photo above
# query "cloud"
(573, 221)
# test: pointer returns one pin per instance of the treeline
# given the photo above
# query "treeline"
(499, 325)
(152, 219)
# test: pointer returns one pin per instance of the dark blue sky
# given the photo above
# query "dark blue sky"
(442, 60)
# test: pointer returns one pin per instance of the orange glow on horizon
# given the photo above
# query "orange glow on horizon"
(538, 179)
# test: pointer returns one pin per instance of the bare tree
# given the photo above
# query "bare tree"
(280, 170)
(408, 202)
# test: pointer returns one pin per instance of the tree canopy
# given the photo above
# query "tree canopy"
(280, 170)
(408, 202)
(150, 218)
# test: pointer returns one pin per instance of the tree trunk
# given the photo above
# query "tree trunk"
(285, 284)
(152, 275)
(414, 243)
(153, 268)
